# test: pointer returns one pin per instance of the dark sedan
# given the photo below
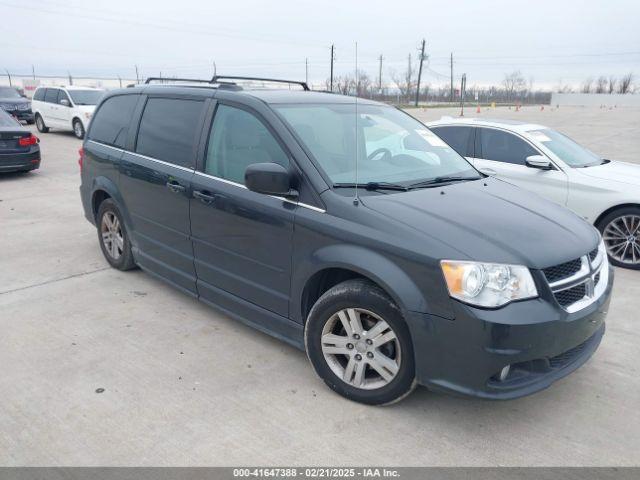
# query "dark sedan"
(19, 149)
(16, 105)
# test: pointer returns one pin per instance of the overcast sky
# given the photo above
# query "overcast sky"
(549, 41)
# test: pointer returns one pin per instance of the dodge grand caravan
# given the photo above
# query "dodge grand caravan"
(349, 230)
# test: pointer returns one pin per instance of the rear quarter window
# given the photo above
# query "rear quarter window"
(39, 95)
(111, 122)
(169, 130)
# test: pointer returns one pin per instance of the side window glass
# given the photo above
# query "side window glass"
(51, 95)
(238, 139)
(504, 147)
(39, 95)
(111, 122)
(457, 137)
(62, 95)
(168, 130)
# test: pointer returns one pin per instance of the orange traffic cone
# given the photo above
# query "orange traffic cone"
(478, 109)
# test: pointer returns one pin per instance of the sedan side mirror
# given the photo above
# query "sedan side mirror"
(269, 178)
(65, 102)
(539, 161)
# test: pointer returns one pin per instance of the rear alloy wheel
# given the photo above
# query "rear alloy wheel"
(78, 129)
(113, 238)
(359, 344)
(621, 235)
(40, 125)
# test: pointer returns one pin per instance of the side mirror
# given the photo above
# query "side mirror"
(269, 178)
(65, 102)
(539, 161)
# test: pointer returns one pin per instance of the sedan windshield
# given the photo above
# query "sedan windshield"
(86, 97)
(8, 92)
(567, 150)
(391, 148)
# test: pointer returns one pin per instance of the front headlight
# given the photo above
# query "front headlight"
(488, 284)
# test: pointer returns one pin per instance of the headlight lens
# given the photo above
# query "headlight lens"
(488, 284)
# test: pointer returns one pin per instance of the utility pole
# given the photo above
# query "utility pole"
(420, 72)
(70, 78)
(463, 86)
(9, 76)
(306, 70)
(451, 99)
(120, 81)
(333, 56)
(137, 77)
(380, 76)
(33, 72)
(215, 70)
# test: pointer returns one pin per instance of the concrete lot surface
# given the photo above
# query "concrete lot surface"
(184, 385)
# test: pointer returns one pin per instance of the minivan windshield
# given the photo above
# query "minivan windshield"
(86, 97)
(567, 150)
(393, 149)
(8, 92)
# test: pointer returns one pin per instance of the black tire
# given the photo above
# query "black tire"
(123, 261)
(78, 129)
(611, 217)
(42, 128)
(365, 295)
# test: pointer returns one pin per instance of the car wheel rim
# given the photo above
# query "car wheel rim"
(78, 129)
(111, 233)
(40, 124)
(622, 239)
(361, 348)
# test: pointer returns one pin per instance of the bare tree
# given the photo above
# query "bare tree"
(612, 84)
(586, 85)
(624, 86)
(405, 82)
(363, 84)
(601, 85)
(513, 82)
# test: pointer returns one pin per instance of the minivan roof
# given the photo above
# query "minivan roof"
(269, 96)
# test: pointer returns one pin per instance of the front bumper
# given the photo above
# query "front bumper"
(540, 341)
(24, 115)
(12, 162)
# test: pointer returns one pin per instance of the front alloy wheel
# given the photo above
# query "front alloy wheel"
(621, 235)
(358, 342)
(361, 348)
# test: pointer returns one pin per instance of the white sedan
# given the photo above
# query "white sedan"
(604, 192)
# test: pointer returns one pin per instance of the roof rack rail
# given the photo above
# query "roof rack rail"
(172, 79)
(216, 78)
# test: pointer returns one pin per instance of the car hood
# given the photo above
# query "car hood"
(86, 108)
(623, 172)
(15, 101)
(493, 221)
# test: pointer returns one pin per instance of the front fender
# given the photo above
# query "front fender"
(365, 262)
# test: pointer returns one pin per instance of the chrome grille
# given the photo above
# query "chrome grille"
(578, 283)
(563, 270)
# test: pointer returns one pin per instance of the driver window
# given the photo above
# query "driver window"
(238, 139)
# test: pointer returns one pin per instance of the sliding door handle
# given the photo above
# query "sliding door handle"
(175, 187)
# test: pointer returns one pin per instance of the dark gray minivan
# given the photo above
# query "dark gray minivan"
(348, 229)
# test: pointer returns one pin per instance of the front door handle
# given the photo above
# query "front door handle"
(205, 197)
(488, 171)
(175, 187)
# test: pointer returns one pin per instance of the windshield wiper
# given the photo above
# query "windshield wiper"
(432, 182)
(374, 186)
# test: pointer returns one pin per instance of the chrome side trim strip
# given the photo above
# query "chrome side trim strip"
(206, 175)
